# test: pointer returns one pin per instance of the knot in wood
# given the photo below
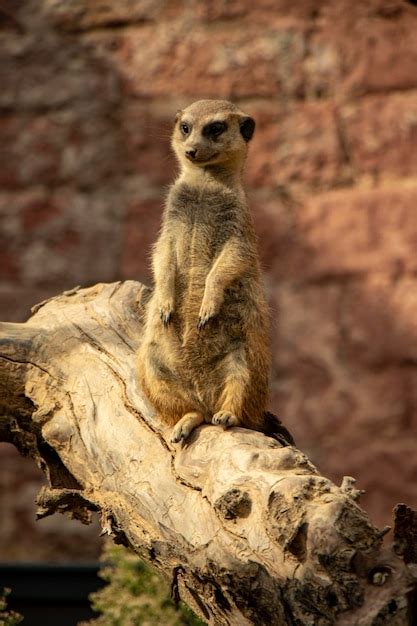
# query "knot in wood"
(234, 503)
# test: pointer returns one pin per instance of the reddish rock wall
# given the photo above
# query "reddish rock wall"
(88, 92)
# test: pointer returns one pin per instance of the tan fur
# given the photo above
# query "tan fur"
(205, 354)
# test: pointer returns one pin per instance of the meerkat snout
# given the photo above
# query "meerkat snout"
(191, 154)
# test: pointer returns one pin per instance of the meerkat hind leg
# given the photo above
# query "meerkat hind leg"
(225, 418)
(231, 401)
(184, 427)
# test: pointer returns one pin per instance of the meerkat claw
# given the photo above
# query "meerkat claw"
(165, 317)
(202, 322)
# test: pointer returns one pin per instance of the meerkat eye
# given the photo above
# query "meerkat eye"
(215, 129)
(185, 129)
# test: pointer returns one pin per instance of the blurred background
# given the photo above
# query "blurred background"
(88, 94)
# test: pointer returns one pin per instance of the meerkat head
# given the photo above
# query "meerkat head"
(212, 132)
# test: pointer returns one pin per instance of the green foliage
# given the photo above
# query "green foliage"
(135, 595)
(7, 618)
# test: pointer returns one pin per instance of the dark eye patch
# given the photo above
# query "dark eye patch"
(185, 128)
(214, 129)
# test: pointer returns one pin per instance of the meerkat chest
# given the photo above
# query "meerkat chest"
(201, 220)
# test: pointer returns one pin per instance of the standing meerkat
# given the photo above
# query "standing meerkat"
(205, 355)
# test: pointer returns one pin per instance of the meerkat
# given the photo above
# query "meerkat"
(205, 355)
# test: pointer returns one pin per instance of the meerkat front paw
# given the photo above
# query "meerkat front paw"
(225, 418)
(207, 312)
(212, 302)
(166, 310)
(204, 318)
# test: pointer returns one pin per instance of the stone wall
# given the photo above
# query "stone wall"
(88, 91)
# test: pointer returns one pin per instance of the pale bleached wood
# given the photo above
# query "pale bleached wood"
(248, 531)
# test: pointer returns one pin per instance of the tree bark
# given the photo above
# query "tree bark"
(247, 530)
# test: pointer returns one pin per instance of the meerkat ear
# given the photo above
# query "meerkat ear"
(247, 127)
(178, 115)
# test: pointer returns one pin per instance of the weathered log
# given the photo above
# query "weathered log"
(247, 530)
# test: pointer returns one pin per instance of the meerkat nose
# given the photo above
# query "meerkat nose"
(191, 154)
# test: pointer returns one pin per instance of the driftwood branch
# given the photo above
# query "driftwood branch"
(247, 531)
